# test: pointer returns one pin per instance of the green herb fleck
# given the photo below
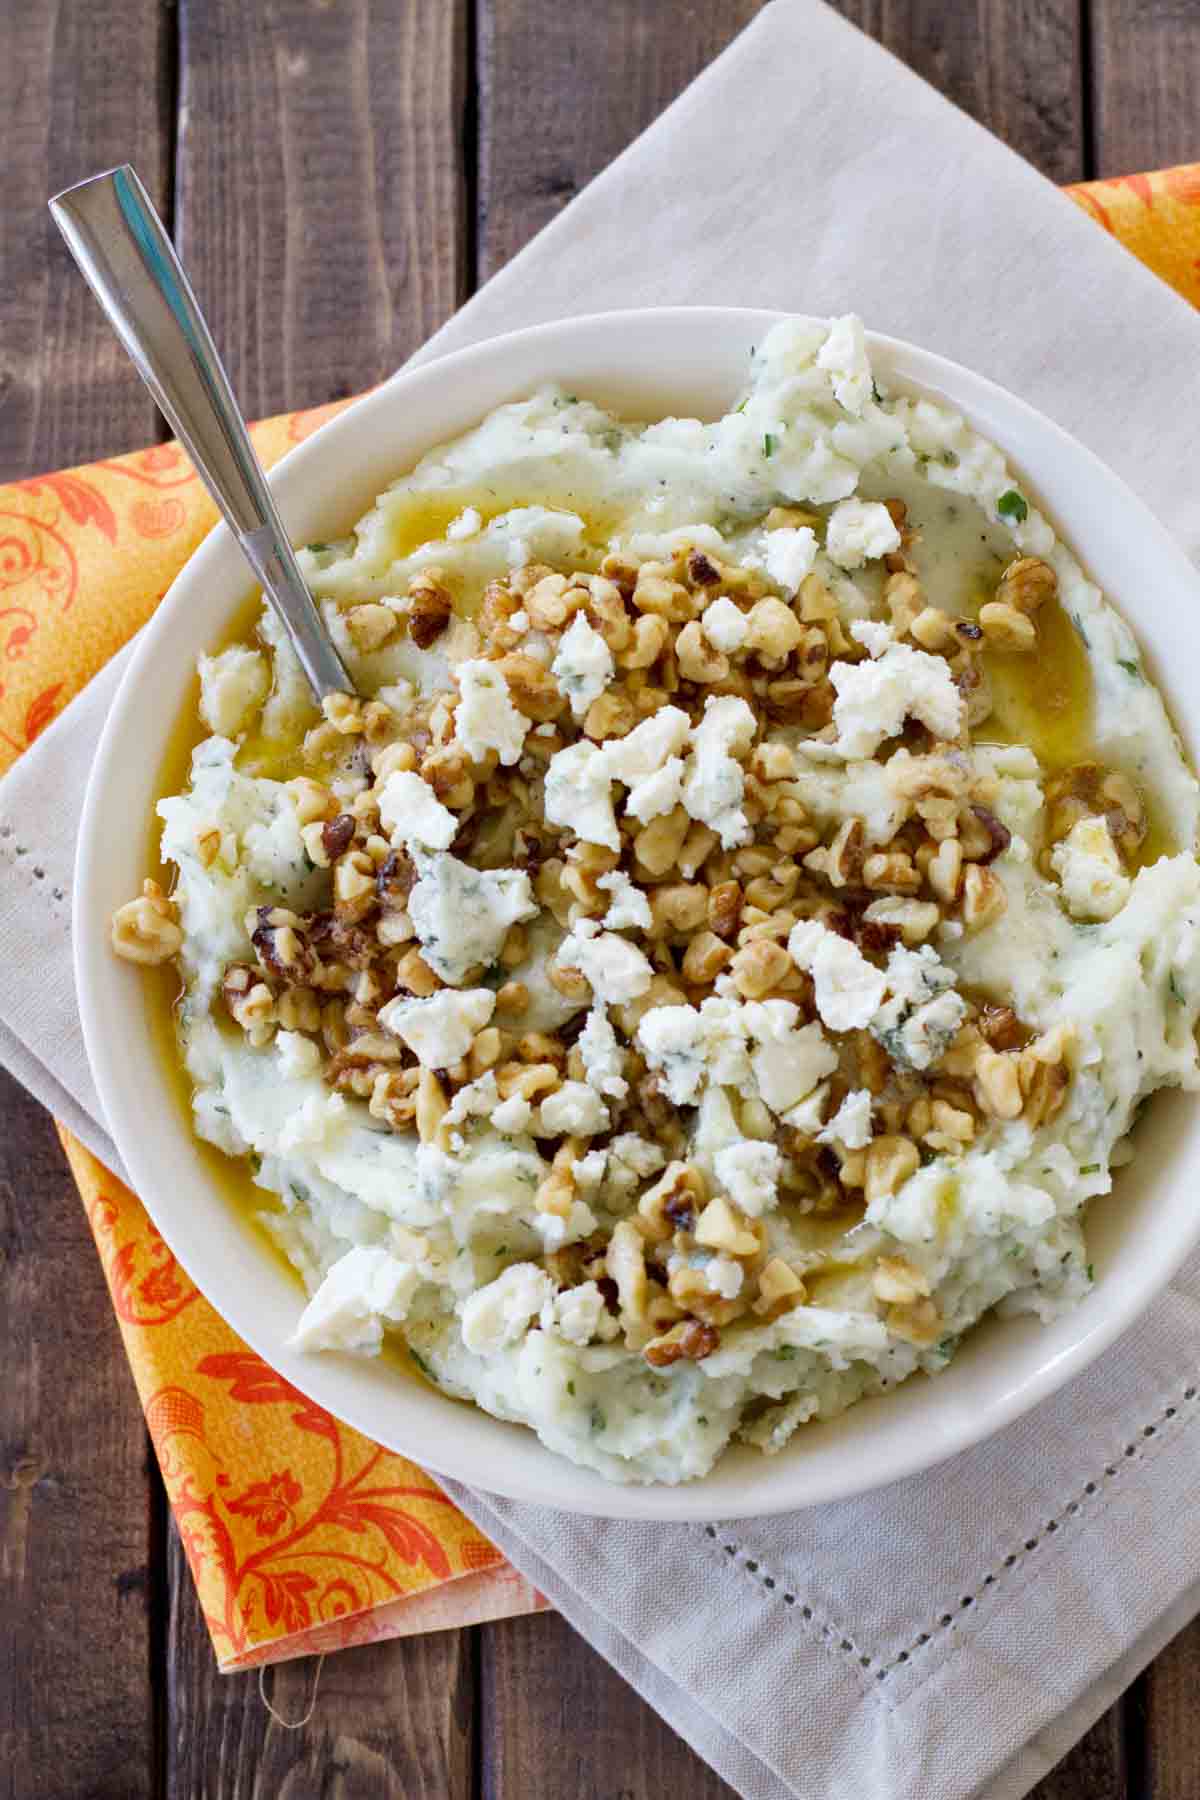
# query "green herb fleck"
(1090, 1169)
(946, 1346)
(701, 1420)
(745, 403)
(786, 1352)
(421, 1363)
(1091, 1271)
(1013, 506)
(876, 396)
(502, 1250)
(571, 399)
(950, 458)
(768, 444)
(571, 1389)
(613, 440)
(596, 1419)
(1132, 669)
(316, 549)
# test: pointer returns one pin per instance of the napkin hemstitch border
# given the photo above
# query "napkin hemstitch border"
(722, 1546)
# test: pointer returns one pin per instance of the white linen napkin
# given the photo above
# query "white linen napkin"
(953, 1635)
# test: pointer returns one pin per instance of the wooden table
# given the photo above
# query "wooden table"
(340, 175)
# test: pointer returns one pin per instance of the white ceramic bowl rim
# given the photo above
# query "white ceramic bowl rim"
(646, 364)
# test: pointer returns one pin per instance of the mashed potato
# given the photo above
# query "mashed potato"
(717, 959)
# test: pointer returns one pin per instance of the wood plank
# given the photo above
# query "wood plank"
(564, 89)
(319, 203)
(1169, 1722)
(390, 1721)
(1097, 1768)
(561, 92)
(76, 1626)
(1145, 66)
(558, 1720)
(1145, 73)
(1017, 69)
(81, 88)
(320, 210)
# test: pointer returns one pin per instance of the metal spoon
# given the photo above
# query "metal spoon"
(119, 242)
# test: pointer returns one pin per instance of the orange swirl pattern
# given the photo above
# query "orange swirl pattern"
(302, 1535)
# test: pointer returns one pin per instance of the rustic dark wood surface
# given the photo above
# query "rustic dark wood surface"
(340, 174)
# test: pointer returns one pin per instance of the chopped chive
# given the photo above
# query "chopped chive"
(1013, 506)
(768, 444)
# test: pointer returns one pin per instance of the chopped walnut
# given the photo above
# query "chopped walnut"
(690, 1338)
(710, 911)
(919, 1323)
(1005, 628)
(428, 609)
(1027, 584)
(898, 1281)
(147, 930)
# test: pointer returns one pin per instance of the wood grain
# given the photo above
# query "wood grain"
(1145, 66)
(320, 208)
(1098, 1766)
(389, 1721)
(80, 88)
(319, 203)
(561, 91)
(560, 1722)
(1015, 65)
(1144, 69)
(76, 1583)
(1170, 1722)
(1145, 73)
(564, 88)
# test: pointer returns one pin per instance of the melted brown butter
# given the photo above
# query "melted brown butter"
(416, 518)
(1043, 698)
(164, 989)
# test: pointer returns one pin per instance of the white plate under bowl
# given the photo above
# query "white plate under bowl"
(646, 365)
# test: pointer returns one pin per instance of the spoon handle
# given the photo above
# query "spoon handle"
(119, 242)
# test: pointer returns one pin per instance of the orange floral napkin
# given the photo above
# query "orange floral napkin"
(302, 1535)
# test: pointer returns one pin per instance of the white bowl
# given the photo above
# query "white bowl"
(645, 364)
